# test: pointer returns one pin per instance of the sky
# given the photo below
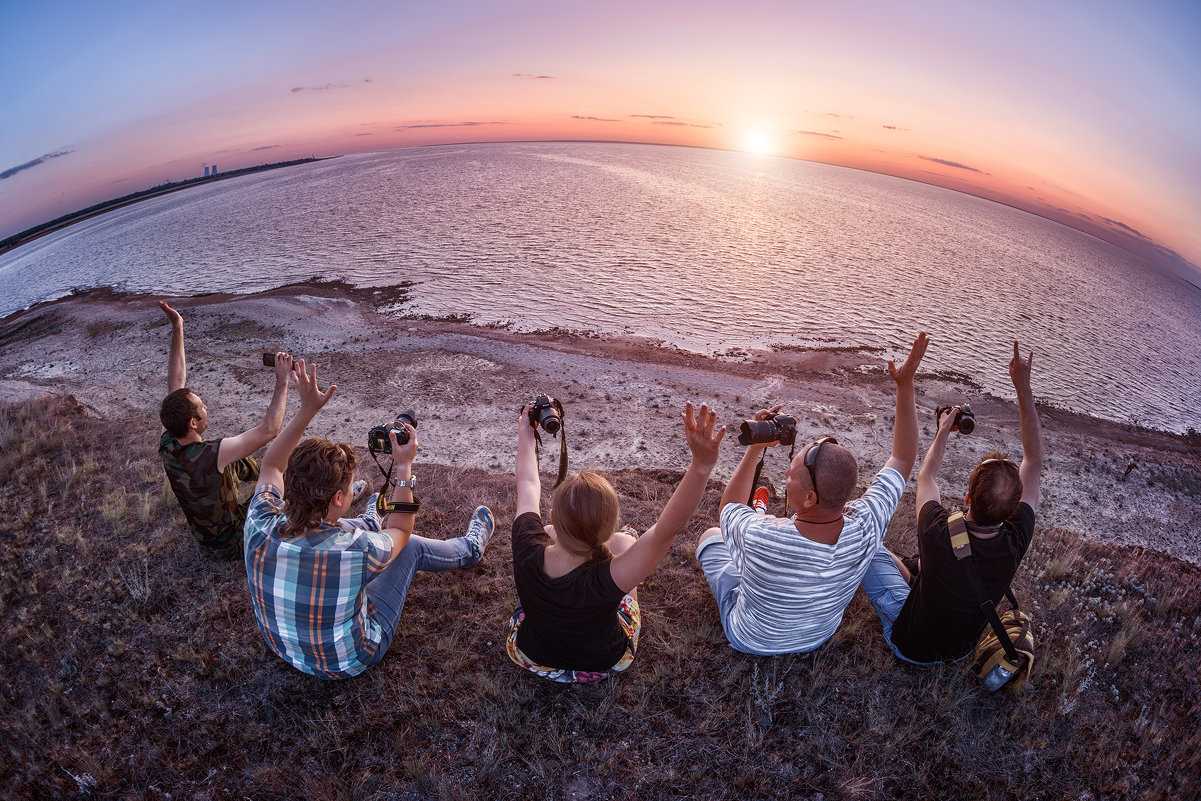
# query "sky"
(1088, 113)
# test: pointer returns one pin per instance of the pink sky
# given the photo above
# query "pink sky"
(1088, 113)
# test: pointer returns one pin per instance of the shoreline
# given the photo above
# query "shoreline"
(622, 395)
(66, 221)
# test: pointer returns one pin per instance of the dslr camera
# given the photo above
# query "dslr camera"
(377, 438)
(777, 427)
(965, 421)
(547, 412)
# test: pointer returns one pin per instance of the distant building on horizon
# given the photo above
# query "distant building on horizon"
(206, 171)
(214, 170)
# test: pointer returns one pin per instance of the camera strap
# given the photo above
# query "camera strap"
(759, 471)
(562, 451)
(755, 481)
(961, 545)
(384, 506)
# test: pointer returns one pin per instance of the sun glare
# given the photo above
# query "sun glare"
(757, 142)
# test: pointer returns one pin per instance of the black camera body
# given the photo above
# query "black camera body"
(547, 412)
(777, 427)
(965, 421)
(377, 437)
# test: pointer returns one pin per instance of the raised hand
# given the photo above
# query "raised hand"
(525, 431)
(909, 368)
(1019, 368)
(172, 315)
(311, 397)
(404, 454)
(946, 421)
(763, 414)
(699, 432)
(283, 368)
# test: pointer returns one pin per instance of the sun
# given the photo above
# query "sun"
(757, 142)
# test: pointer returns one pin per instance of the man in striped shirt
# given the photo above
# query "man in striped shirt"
(782, 584)
(327, 591)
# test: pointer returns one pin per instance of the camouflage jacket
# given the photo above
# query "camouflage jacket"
(208, 497)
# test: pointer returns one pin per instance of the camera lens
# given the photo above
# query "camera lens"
(967, 423)
(549, 420)
(753, 432)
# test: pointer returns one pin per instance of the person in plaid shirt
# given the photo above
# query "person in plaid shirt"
(327, 591)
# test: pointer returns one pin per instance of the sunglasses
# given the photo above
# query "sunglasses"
(811, 460)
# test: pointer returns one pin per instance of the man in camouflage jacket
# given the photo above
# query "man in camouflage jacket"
(205, 474)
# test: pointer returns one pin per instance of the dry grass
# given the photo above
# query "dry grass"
(108, 694)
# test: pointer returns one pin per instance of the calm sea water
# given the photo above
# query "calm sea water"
(703, 249)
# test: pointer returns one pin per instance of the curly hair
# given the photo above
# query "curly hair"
(995, 489)
(176, 411)
(585, 513)
(316, 470)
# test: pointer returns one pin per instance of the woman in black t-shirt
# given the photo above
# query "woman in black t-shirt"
(578, 619)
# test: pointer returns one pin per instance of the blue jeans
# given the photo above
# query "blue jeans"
(887, 591)
(725, 582)
(388, 591)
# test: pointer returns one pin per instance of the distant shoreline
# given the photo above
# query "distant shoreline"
(623, 394)
(36, 232)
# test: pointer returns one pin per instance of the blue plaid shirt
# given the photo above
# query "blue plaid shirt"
(310, 591)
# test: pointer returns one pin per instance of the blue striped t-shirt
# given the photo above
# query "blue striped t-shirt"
(794, 590)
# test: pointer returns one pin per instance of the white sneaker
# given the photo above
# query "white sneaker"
(480, 529)
(356, 490)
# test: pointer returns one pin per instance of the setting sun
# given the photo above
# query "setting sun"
(757, 142)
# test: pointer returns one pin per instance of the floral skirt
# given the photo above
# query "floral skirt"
(628, 616)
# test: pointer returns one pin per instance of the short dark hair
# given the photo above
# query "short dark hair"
(176, 411)
(316, 470)
(995, 489)
(837, 475)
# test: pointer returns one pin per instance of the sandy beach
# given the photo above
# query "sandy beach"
(622, 397)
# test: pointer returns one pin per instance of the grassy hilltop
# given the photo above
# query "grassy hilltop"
(132, 668)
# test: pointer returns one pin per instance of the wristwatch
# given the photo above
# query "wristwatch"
(411, 483)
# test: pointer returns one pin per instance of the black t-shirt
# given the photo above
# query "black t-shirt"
(941, 619)
(570, 621)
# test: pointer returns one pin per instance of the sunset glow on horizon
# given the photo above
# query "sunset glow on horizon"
(1086, 113)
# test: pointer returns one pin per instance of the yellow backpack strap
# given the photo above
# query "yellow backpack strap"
(961, 544)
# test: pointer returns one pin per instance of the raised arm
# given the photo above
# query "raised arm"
(234, 448)
(177, 366)
(399, 525)
(1032, 429)
(927, 474)
(529, 485)
(311, 401)
(904, 430)
(739, 488)
(638, 561)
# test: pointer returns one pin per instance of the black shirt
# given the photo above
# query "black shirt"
(941, 618)
(570, 621)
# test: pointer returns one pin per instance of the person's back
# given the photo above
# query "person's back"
(578, 619)
(941, 618)
(204, 474)
(571, 616)
(328, 591)
(309, 589)
(207, 496)
(782, 585)
(795, 589)
(936, 615)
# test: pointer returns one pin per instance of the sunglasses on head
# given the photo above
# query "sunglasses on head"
(811, 460)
